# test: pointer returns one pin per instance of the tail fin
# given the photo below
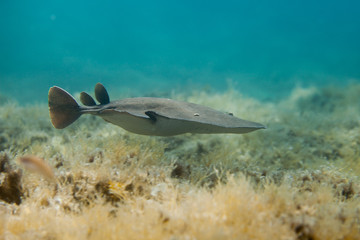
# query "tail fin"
(64, 109)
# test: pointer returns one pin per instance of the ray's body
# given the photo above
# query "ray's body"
(145, 115)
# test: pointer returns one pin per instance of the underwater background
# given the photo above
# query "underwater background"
(265, 47)
(293, 66)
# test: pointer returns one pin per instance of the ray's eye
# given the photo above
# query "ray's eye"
(196, 114)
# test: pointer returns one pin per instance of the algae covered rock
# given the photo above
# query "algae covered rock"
(10, 181)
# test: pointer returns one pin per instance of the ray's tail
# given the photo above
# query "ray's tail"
(63, 108)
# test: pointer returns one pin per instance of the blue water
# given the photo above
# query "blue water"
(264, 47)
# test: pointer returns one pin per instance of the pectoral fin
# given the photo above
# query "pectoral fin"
(152, 115)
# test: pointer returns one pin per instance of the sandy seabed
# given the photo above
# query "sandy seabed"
(298, 179)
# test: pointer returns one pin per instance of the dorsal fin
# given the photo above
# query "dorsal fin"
(86, 99)
(101, 94)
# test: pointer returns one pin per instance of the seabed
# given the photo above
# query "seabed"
(298, 179)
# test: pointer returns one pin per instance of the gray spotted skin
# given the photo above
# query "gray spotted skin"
(147, 116)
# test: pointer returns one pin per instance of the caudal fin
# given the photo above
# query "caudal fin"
(63, 108)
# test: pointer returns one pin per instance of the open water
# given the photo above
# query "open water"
(263, 48)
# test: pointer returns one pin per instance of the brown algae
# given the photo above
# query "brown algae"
(296, 180)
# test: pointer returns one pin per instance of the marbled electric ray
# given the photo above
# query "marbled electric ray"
(145, 115)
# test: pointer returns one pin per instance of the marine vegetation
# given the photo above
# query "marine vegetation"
(299, 179)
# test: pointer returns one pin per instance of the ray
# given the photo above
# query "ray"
(146, 115)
